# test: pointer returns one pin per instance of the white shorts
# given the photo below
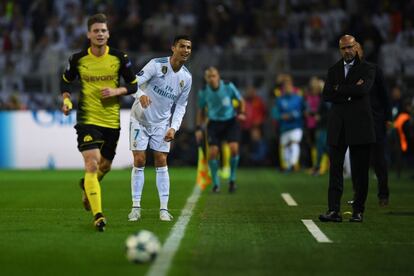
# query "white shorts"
(140, 135)
(291, 136)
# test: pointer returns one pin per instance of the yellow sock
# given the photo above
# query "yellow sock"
(225, 157)
(93, 192)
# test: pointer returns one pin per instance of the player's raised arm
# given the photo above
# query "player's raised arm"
(180, 106)
(143, 77)
(131, 82)
(69, 75)
(241, 109)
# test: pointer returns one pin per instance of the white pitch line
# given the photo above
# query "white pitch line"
(315, 231)
(289, 199)
(163, 261)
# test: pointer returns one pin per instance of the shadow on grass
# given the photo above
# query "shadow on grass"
(401, 213)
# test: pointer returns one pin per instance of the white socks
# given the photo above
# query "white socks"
(295, 153)
(137, 184)
(163, 185)
(291, 154)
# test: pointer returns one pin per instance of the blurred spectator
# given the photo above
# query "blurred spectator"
(391, 57)
(406, 37)
(370, 38)
(56, 34)
(209, 52)
(392, 137)
(381, 20)
(321, 136)
(14, 103)
(312, 102)
(396, 101)
(285, 82)
(316, 35)
(240, 40)
(404, 128)
(21, 36)
(254, 146)
(288, 111)
(255, 109)
(11, 80)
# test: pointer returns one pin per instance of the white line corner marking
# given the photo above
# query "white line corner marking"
(315, 231)
(289, 199)
(163, 262)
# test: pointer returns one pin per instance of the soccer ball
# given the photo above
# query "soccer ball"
(142, 247)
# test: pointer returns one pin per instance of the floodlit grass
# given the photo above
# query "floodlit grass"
(45, 231)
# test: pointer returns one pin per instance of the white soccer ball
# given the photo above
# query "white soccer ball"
(142, 247)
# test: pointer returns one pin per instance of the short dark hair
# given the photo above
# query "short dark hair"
(179, 37)
(97, 18)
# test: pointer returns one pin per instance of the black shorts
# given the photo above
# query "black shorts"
(96, 137)
(219, 131)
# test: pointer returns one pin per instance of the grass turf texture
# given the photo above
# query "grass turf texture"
(45, 231)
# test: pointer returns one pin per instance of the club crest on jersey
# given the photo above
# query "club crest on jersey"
(164, 70)
(181, 83)
(87, 138)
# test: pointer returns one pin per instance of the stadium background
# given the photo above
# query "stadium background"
(251, 42)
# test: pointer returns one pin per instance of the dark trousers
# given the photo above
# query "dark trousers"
(359, 155)
(379, 163)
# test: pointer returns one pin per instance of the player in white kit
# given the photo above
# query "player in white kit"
(163, 88)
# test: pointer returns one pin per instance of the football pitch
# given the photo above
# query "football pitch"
(45, 231)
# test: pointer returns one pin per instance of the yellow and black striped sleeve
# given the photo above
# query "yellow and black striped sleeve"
(125, 70)
(71, 72)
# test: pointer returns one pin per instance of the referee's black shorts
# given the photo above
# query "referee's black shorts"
(219, 131)
(97, 137)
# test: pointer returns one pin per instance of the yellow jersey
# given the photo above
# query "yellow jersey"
(95, 73)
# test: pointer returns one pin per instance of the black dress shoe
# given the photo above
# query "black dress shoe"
(330, 216)
(356, 217)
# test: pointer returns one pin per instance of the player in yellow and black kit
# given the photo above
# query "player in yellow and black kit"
(98, 69)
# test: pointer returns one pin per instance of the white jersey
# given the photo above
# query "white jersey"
(165, 88)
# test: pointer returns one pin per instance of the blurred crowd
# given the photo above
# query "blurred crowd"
(37, 25)
(262, 131)
(310, 117)
(30, 31)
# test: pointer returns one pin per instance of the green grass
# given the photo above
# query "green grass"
(44, 230)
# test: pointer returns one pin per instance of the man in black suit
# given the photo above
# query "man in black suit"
(350, 124)
(381, 111)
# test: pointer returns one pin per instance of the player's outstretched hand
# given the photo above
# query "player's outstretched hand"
(169, 136)
(145, 101)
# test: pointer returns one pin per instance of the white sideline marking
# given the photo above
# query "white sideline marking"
(163, 261)
(289, 199)
(315, 231)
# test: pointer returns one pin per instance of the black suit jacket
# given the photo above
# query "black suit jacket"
(380, 104)
(350, 114)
